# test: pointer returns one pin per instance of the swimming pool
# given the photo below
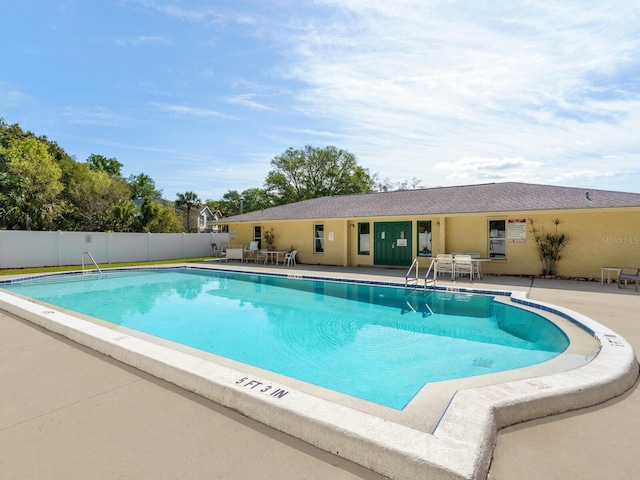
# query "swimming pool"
(447, 430)
(376, 343)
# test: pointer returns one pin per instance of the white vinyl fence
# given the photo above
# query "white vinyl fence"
(20, 249)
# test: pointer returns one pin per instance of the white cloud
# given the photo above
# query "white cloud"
(319, 133)
(413, 81)
(11, 96)
(247, 100)
(96, 116)
(187, 111)
(211, 178)
(542, 91)
(143, 40)
(194, 12)
(197, 14)
(486, 169)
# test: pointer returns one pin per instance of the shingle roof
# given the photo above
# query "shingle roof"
(489, 197)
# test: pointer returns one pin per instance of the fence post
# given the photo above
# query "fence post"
(109, 247)
(59, 248)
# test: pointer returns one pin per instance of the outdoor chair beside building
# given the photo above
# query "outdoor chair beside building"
(629, 275)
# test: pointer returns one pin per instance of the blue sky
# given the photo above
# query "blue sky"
(201, 95)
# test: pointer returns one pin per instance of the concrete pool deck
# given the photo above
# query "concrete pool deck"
(69, 412)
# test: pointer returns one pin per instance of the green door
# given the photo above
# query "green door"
(392, 243)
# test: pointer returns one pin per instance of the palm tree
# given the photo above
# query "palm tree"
(188, 200)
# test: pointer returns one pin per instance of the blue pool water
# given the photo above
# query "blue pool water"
(376, 343)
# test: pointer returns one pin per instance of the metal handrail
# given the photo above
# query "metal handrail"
(417, 277)
(406, 277)
(94, 262)
(435, 274)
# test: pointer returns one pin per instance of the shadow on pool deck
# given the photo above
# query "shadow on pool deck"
(69, 412)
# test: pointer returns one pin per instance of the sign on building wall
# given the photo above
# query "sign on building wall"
(517, 232)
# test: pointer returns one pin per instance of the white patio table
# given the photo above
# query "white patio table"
(609, 270)
(270, 255)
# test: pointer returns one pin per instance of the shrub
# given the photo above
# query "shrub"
(549, 246)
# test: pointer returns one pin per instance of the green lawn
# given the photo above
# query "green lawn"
(67, 268)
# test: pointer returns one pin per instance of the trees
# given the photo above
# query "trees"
(187, 200)
(386, 185)
(251, 200)
(315, 172)
(122, 216)
(42, 187)
(99, 201)
(143, 186)
(158, 217)
(256, 199)
(229, 205)
(29, 185)
(154, 214)
(100, 163)
(413, 184)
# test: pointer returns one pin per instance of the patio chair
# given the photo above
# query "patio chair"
(251, 252)
(462, 265)
(261, 256)
(477, 265)
(290, 258)
(629, 274)
(444, 264)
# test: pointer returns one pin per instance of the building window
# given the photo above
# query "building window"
(424, 238)
(318, 239)
(497, 239)
(257, 235)
(364, 239)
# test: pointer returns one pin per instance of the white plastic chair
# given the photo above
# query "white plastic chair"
(462, 265)
(262, 256)
(251, 252)
(476, 264)
(444, 264)
(290, 258)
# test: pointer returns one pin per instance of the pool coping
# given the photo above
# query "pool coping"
(462, 444)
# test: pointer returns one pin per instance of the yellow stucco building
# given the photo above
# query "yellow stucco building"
(492, 220)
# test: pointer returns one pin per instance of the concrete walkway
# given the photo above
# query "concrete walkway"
(595, 443)
(67, 412)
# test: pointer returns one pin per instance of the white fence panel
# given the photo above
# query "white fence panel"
(28, 249)
(73, 244)
(21, 249)
(192, 244)
(128, 247)
(165, 246)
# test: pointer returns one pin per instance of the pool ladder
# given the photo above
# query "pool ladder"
(94, 262)
(411, 279)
